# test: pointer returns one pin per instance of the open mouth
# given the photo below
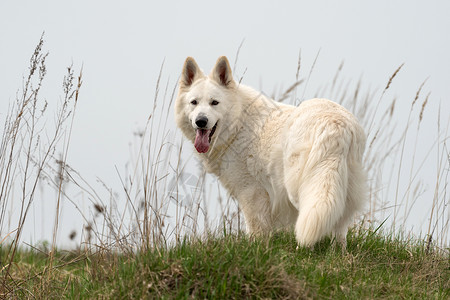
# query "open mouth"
(203, 139)
(212, 131)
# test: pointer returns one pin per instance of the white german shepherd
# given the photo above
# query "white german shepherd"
(284, 164)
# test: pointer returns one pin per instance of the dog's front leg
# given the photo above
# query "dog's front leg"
(255, 204)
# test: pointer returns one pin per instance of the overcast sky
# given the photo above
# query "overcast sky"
(122, 44)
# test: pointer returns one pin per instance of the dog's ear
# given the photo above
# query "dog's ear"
(222, 72)
(191, 72)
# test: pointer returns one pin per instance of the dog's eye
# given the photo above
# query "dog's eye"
(214, 102)
(194, 102)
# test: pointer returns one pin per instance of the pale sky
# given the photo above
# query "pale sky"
(122, 44)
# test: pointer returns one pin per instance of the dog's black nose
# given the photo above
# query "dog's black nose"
(201, 121)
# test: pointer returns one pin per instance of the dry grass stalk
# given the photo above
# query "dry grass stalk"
(309, 76)
(374, 114)
(423, 107)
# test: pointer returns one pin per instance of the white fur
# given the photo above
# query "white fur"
(285, 165)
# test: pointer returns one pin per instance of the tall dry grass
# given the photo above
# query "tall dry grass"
(28, 146)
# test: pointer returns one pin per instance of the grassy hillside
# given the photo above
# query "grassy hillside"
(160, 203)
(236, 267)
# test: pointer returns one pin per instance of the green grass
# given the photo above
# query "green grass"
(236, 267)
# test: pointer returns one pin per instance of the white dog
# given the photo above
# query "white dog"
(284, 164)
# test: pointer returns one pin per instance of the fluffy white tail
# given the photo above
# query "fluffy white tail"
(322, 197)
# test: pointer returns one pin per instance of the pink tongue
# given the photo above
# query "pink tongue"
(202, 140)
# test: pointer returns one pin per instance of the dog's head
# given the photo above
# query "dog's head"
(206, 106)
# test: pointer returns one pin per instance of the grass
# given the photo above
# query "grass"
(236, 267)
(158, 246)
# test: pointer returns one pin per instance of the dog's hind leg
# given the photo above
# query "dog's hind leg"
(339, 232)
(356, 196)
